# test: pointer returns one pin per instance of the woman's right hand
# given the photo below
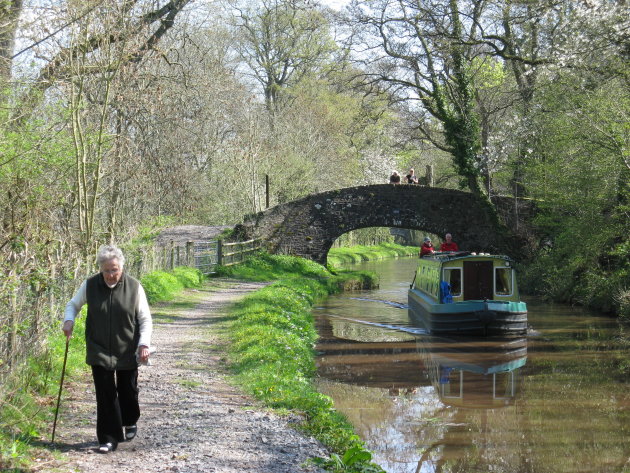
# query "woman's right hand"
(67, 328)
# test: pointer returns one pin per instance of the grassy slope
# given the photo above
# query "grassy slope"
(271, 352)
(356, 254)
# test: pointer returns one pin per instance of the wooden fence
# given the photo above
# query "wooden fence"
(29, 308)
(203, 255)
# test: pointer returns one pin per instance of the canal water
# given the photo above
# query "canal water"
(557, 400)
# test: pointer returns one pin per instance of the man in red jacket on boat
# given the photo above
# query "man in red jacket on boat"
(449, 244)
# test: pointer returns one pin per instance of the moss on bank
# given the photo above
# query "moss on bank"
(356, 254)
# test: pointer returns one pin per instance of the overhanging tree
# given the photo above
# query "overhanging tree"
(426, 61)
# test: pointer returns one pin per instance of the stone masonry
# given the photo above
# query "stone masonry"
(309, 226)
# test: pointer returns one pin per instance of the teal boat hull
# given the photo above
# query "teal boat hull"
(468, 317)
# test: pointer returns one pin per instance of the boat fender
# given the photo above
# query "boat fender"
(445, 289)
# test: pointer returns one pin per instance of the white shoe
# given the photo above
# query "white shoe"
(106, 447)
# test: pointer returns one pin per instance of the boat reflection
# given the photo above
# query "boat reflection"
(465, 372)
(475, 380)
(474, 373)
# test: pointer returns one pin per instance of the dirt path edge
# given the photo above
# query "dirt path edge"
(193, 419)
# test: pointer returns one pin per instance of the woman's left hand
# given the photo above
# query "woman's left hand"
(144, 354)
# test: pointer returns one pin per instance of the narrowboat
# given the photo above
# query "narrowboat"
(467, 293)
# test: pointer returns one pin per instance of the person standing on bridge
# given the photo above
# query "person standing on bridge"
(118, 331)
(411, 177)
(449, 244)
(394, 178)
(427, 247)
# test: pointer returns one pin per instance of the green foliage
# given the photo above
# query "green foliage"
(622, 298)
(271, 351)
(161, 286)
(188, 277)
(358, 253)
(265, 267)
(355, 460)
(581, 186)
(28, 398)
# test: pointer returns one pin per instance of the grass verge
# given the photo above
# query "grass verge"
(271, 353)
(355, 254)
(28, 397)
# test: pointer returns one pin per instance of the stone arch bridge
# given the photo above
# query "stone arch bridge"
(308, 227)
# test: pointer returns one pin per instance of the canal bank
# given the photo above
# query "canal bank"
(272, 336)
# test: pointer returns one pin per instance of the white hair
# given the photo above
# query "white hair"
(110, 252)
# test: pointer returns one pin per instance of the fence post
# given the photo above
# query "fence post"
(171, 256)
(190, 254)
(220, 252)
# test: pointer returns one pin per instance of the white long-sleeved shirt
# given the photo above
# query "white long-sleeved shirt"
(144, 314)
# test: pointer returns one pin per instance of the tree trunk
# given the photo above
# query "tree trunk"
(9, 14)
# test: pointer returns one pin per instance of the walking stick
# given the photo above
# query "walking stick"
(63, 373)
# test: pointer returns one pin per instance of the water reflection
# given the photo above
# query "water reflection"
(554, 402)
(474, 373)
(366, 355)
(469, 372)
(400, 385)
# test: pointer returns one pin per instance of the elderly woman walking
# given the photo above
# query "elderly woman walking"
(118, 331)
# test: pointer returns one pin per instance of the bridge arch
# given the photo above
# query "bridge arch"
(308, 227)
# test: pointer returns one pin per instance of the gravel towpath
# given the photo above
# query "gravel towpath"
(192, 419)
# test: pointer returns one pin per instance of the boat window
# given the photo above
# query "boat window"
(453, 276)
(503, 281)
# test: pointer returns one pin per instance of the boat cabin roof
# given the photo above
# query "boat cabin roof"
(444, 256)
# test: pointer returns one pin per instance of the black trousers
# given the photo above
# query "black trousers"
(116, 403)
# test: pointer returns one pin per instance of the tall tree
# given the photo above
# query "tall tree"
(142, 24)
(281, 42)
(420, 51)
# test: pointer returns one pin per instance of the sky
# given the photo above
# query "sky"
(336, 4)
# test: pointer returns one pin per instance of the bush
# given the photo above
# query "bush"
(622, 299)
(188, 277)
(161, 286)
